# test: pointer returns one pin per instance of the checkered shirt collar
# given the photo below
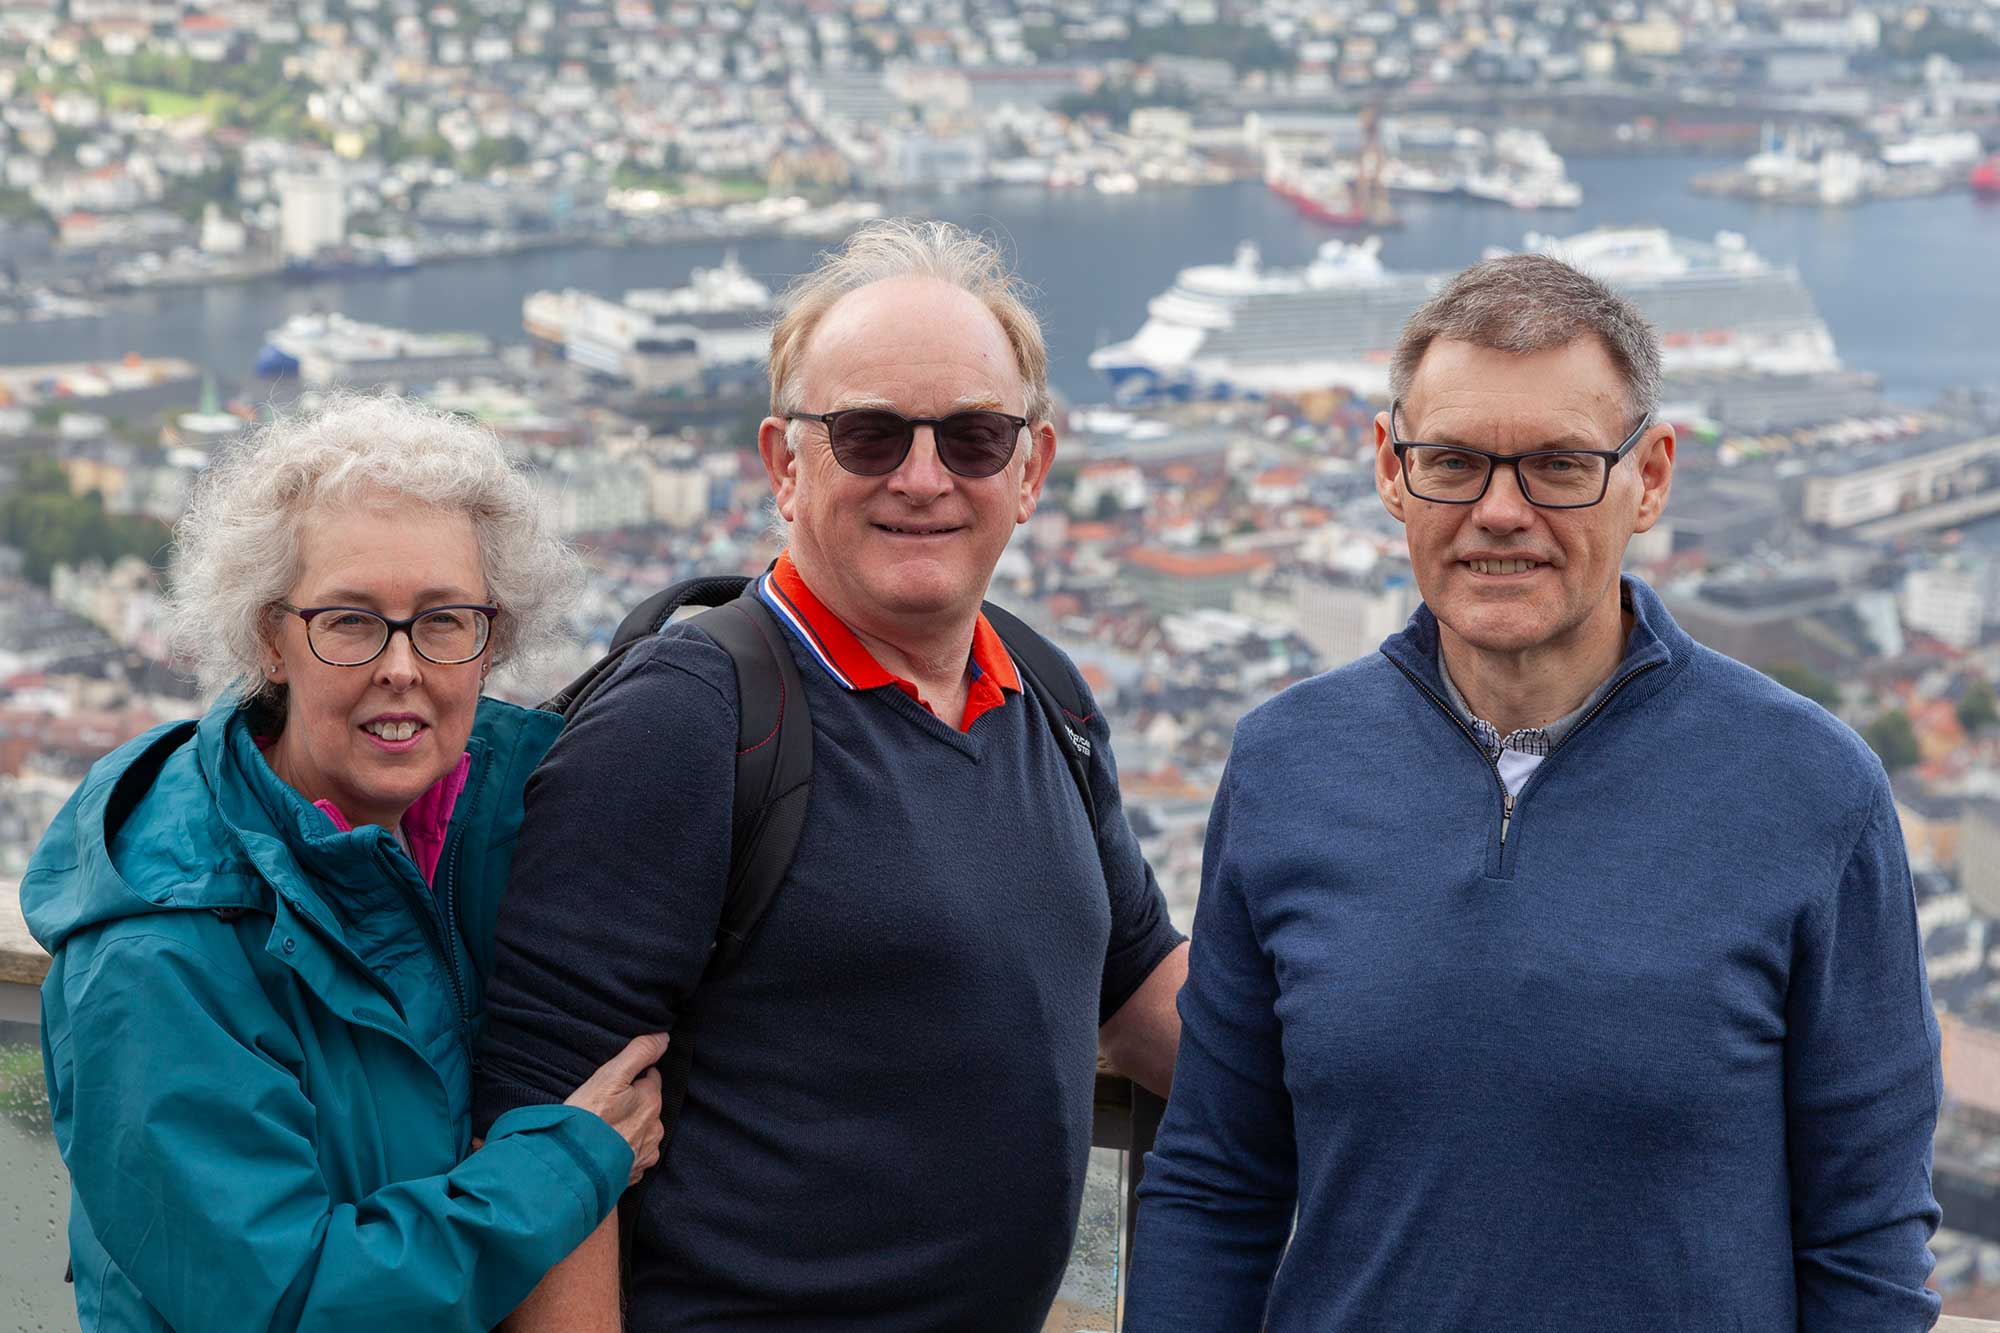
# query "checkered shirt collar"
(1528, 740)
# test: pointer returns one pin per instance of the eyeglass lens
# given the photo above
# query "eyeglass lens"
(1555, 480)
(873, 442)
(349, 638)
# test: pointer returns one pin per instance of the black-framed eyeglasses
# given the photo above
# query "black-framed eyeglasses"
(1453, 474)
(356, 636)
(873, 441)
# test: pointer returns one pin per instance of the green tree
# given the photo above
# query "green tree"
(1246, 46)
(19, 206)
(1117, 101)
(508, 151)
(1977, 709)
(49, 526)
(187, 196)
(1939, 36)
(1804, 680)
(1893, 740)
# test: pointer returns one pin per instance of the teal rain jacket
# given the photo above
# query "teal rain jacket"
(258, 1035)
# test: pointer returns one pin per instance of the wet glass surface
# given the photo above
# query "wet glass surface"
(34, 1195)
(1088, 1301)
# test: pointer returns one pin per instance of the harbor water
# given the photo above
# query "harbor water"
(1902, 283)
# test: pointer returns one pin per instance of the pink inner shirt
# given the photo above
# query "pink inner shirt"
(424, 824)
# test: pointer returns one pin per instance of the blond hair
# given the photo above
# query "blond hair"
(906, 248)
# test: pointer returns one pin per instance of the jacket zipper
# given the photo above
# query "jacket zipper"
(428, 913)
(1601, 705)
(1506, 796)
(450, 903)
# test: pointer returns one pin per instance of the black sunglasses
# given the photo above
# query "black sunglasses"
(873, 441)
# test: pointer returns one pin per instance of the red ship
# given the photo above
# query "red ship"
(1335, 207)
(1986, 176)
(1323, 196)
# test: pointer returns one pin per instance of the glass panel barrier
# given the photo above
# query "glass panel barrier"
(1089, 1298)
(34, 1201)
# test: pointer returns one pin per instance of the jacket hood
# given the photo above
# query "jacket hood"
(188, 816)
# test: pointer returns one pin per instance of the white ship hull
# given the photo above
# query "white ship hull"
(1222, 331)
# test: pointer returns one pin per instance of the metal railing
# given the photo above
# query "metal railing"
(1126, 1117)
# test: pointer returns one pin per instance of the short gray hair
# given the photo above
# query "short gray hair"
(1531, 303)
(236, 549)
(909, 248)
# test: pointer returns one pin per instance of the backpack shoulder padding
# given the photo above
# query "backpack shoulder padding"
(1047, 676)
(774, 764)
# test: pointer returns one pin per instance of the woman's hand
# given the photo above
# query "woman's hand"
(625, 1094)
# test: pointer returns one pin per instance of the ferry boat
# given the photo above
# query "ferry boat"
(723, 296)
(724, 299)
(1239, 329)
(326, 349)
(712, 332)
(1524, 172)
(1523, 189)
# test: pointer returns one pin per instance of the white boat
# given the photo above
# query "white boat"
(329, 349)
(1524, 189)
(546, 316)
(1241, 329)
(708, 336)
(1407, 177)
(725, 294)
(1948, 151)
(834, 220)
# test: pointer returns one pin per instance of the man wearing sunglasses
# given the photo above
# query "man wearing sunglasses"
(1551, 971)
(888, 1112)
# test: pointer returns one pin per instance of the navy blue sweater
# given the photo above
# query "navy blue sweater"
(1665, 1059)
(889, 1114)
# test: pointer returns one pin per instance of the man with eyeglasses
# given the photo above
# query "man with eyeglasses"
(888, 1114)
(1550, 970)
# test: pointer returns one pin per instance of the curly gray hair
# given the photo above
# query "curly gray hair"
(236, 550)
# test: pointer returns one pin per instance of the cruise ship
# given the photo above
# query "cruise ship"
(1239, 329)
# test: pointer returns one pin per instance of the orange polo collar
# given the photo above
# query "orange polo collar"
(845, 658)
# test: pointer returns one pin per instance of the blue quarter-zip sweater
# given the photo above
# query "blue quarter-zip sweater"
(1662, 1058)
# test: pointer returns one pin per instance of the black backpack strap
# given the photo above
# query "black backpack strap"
(1048, 678)
(774, 763)
(641, 623)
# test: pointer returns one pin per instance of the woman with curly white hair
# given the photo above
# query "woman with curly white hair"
(270, 927)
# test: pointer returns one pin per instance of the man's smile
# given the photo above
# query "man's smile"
(911, 528)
